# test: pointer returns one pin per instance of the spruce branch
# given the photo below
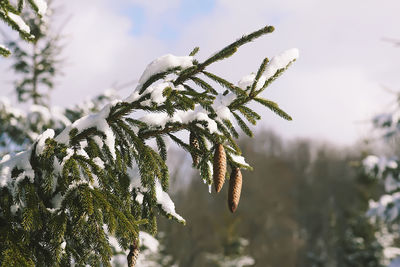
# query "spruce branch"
(224, 53)
(258, 75)
(99, 177)
(274, 107)
(11, 16)
(194, 51)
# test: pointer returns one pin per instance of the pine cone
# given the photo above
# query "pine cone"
(235, 187)
(194, 143)
(133, 255)
(219, 167)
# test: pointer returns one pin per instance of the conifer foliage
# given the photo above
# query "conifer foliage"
(64, 197)
(386, 210)
(11, 15)
(37, 63)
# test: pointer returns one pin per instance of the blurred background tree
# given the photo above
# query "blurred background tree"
(305, 205)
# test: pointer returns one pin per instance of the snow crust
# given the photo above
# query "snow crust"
(239, 159)
(386, 208)
(162, 118)
(220, 107)
(246, 81)
(55, 114)
(163, 64)
(278, 62)
(40, 145)
(166, 203)
(5, 48)
(162, 197)
(98, 162)
(97, 121)
(373, 163)
(22, 163)
(41, 5)
(19, 21)
(148, 241)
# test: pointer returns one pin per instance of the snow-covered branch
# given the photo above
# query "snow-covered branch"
(100, 169)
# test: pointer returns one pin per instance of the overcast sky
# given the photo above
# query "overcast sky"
(335, 85)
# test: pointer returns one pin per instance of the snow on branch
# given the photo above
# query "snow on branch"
(11, 15)
(277, 63)
(387, 208)
(101, 166)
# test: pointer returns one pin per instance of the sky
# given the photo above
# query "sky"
(331, 91)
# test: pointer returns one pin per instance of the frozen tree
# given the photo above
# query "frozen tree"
(11, 15)
(20, 127)
(74, 192)
(36, 63)
(386, 210)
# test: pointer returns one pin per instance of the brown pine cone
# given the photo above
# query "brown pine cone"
(235, 187)
(194, 142)
(133, 255)
(219, 167)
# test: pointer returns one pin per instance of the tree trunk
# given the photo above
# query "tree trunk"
(133, 254)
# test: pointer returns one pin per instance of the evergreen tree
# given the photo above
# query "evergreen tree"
(19, 128)
(38, 62)
(68, 194)
(11, 15)
(303, 205)
(384, 169)
(385, 208)
(36, 65)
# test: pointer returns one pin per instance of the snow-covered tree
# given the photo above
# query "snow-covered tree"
(386, 210)
(10, 14)
(72, 191)
(20, 127)
(36, 63)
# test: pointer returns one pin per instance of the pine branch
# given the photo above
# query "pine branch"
(194, 51)
(258, 75)
(11, 16)
(243, 125)
(100, 170)
(225, 83)
(274, 107)
(223, 53)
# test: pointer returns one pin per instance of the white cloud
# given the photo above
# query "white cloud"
(335, 83)
(155, 7)
(101, 50)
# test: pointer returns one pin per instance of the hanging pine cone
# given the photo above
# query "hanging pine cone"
(194, 143)
(235, 187)
(133, 255)
(219, 167)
